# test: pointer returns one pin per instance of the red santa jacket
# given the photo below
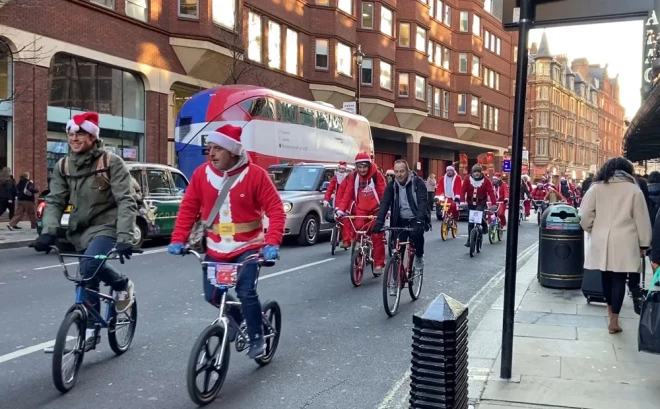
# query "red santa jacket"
(367, 192)
(450, 192)
(238, 227)
(477, 192)
(502, 192)
(333, 187)
(539, 192)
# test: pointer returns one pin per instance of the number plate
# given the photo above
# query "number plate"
(476, 216)
(222, 274)
(65, 220)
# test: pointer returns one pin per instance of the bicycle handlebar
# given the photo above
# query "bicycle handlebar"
(256, 258)
(111, 255)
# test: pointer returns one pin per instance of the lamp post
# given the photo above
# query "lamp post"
(359, 56)
(597, 154)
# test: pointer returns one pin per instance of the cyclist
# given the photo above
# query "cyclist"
(98, 186)
(541, 189)
(502, 196)
(567, 191)
(335, 188)
(406, 199)
(450, 186)
(365, 187)
(526, 194)
(552, 196)
(236, 214)
(476, 191)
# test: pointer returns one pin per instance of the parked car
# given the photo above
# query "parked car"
(302, 187)
(162, 190)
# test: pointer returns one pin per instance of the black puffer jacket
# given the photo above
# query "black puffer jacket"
(7, 190)
(419, 205)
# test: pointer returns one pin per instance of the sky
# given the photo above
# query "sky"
(618, 44)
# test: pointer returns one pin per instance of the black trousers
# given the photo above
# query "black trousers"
(417, 238)
(614, 287)
(484, 226)
(430, 200)
(5, 205)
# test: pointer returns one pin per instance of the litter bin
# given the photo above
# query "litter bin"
(561, 248)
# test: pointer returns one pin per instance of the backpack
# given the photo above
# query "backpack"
(26, 190)
(101, 172)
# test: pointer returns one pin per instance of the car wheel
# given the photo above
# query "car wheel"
(139, 234)
(309, 231)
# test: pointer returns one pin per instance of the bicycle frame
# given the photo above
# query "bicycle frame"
(396, 252)
(361, 236)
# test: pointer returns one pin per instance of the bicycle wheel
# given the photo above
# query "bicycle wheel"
(388, 237)
(480, 242)
(202, 361)
(358, 262)
(272, 317)
(454, 229)
(67, 358)
(391, 287)
(492, 234)
(499, 233)
(415, 281)
(333, 240)
(444, 230)
(121, 329)
(473, 242)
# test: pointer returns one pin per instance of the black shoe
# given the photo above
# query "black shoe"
(467, 244)
(257, 348)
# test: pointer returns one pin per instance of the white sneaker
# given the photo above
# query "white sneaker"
(419, 263)
(124, 299)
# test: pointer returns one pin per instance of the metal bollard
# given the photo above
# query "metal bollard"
(439, 376)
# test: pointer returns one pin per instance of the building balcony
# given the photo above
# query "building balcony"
(466, 131)
(540, 160)
(332, 94)
(204, 59)
(410, 118)
(374, 109)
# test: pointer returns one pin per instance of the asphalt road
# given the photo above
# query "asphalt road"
(338, 348)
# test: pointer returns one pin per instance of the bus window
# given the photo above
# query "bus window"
(337, 124)
(322, 121)
(287, 112)
(259, 107)
(306, 117)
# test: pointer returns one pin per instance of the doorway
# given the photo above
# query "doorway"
(4, 144)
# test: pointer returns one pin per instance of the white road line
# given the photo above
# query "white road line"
(26, 351)
(161, 250)
(291, 270)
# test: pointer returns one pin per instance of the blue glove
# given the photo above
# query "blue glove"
(271, 252)
(175, 249)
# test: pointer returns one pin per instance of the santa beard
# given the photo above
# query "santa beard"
(476, 183)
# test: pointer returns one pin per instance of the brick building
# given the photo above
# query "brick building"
(574, 118)
(435, 81)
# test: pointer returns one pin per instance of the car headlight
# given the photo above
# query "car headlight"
(288, 206)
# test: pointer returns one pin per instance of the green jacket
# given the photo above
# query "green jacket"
(98, 208)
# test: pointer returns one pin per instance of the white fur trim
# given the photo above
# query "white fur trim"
(223, 246)
(369, 186)
(225, 142)
(86, 126)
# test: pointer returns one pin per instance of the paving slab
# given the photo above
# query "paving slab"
(557, 308)
(625, 338)
(545, 331)
(557, 296)
(630, 353)
(571, 320)
(533, 365)
(601, 310)
(17, 238)
(598, 371)
(563, 348)
(485, 344)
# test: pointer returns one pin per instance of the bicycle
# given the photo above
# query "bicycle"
(541, 205)
(399, 272)
(65, 374)
(494, 227)
(521, 212)
(448, 222)
(476, 234)
(361, 250)
(214, 359)
(335, 236)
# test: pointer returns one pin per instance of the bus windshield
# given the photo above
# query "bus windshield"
(296, 178)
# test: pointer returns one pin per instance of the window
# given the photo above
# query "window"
(322, 54)
(385, 75)
(438, 55)
(429, 51)
(367, 15)
(274, 42)
(436, 102)
(429, 98)
(445, 104)
(403, 84)
(446, 58)
(462, 62)
(188, 8)
(474, 106)
(158, 182)
(498, 48)
(492, 79)
(323, 2)
(224, 13)
(462, 104)
(287, 112)
(419, 87)
(386, 21)
(180, 182)
(404, 35)
(137, 9)
(345, 5)
(476, 25)
(254, 36)
(367, 71)
(344, 59)
(486, 38)
(260, 107)
(476, 66)
(291, 51)
(431, 8)
(490, 118)
(463, 24)
(447, 20)
(488, 6)
(420, 40)
(107, 3)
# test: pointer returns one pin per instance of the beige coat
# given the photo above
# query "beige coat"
(616, 215)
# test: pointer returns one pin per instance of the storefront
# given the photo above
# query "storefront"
(78, 85)
(6, 106)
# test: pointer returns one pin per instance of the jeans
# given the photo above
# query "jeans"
(107, 274)
(417, 238)
(481, 208)
(246, 289)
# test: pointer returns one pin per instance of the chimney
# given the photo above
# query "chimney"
(562, 58)
(533, 49)
(581, 66)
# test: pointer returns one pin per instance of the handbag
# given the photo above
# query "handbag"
(197, 238)
(648, 337)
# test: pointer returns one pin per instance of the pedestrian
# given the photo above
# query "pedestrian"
(643, 185)
(431, 186)
(614, 212)
(654, 195)
(586, 184)
(7, 192)
(24, 203)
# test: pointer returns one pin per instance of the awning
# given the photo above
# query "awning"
(642, 139)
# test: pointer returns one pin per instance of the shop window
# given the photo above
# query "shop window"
(189, 8)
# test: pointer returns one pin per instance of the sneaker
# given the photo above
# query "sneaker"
(378, 271)
(419, 263)
(257, 348)
(504, 228)
(345, 245)
(124, 299)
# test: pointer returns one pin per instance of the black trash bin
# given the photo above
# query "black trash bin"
(561, 248)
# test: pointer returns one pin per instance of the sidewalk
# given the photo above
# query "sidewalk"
(17, 238)
(564, 356)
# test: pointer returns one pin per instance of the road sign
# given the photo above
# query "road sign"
(506, 165)
(350, 106)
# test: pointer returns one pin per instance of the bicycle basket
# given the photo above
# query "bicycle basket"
(222, 275)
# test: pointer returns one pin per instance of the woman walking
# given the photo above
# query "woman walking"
(431, 186)
(614, 212)
(7, 192)
(25, 203)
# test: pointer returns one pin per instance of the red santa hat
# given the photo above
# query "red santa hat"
(497, 176)
(343, 165)
(227, 137)
(88, 122)
(362, 157)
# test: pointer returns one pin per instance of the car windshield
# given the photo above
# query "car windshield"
(296, 178)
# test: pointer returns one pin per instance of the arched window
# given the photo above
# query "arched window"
(5, 72)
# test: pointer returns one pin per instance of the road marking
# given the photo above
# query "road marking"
(160, 250)
(26, 351)
(291, 270)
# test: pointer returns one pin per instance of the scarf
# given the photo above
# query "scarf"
(625, 176)
(449, 187)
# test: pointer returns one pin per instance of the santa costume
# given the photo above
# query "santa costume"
(335, 187)
(450, 187)
(527, 203)
(476, 193)
(238, 227)
(502, 196)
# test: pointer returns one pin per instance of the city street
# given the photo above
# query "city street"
(338, 347)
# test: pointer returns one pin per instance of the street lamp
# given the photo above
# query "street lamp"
(359, 56)
(597, 154)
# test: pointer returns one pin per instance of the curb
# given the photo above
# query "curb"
(16, 244)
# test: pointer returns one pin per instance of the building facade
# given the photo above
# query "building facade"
(574, 118)
(435, 81)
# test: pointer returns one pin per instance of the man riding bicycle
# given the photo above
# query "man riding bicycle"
(406, 198)
(476, 191)
(231, 194)
(97, 185)
(450, 187)
(335, 187)
(502, 197)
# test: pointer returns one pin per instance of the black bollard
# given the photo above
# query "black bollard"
(439, 376)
